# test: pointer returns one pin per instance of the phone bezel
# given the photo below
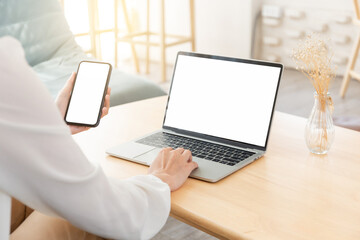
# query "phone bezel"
(102, 101)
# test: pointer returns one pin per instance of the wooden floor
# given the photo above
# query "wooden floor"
(295, 97)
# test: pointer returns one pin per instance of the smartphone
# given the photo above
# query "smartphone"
(88, 94)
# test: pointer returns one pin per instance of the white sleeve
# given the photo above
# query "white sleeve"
(42, 166)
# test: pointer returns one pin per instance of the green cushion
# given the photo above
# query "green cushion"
(51, 50)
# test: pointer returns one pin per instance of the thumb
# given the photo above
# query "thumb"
(70, 82)
(193, 165)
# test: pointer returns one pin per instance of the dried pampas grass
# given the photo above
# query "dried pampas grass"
(313, 59)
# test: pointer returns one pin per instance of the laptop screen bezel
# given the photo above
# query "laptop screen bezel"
(219, 139)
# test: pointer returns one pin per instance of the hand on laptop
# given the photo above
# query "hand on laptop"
(173, 166)
(62, 101)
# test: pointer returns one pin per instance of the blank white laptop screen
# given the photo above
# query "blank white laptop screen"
(226, 99)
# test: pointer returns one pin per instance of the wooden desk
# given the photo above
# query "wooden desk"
(288, 194)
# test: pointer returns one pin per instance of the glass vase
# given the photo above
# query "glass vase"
(320, 131)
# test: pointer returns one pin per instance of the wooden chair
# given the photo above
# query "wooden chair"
(94, 30)
(163, 44)
(5, 216)
(350, 73)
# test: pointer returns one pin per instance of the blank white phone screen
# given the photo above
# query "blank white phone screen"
(88, 92)
(225, 99)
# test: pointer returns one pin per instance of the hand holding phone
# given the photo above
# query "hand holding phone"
(87, 96)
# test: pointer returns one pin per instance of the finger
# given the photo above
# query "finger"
(68, 85)
(72, 77)
(168, 149)
(165, 152)
(179, 150)
(104, 112)
(70, 81)
(191, 166)
(107, 101)
(105, 109)
(194, 165)
(156, 162)
(187, 155)
(66, 90)
(109, 91)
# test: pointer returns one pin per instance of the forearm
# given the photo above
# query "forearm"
(135, 208)
(41, 165)
(67, 185)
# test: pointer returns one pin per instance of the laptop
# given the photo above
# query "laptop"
(220, 108)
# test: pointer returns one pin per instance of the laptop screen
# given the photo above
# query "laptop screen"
(223, 97)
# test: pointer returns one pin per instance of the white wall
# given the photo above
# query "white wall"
(223, 27)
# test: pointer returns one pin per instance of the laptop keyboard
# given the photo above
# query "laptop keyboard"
(209, 151)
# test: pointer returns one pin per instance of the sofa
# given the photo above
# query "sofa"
(52, 52)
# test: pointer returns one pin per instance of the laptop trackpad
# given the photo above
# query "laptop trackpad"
(149, 157)
(129, 150)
